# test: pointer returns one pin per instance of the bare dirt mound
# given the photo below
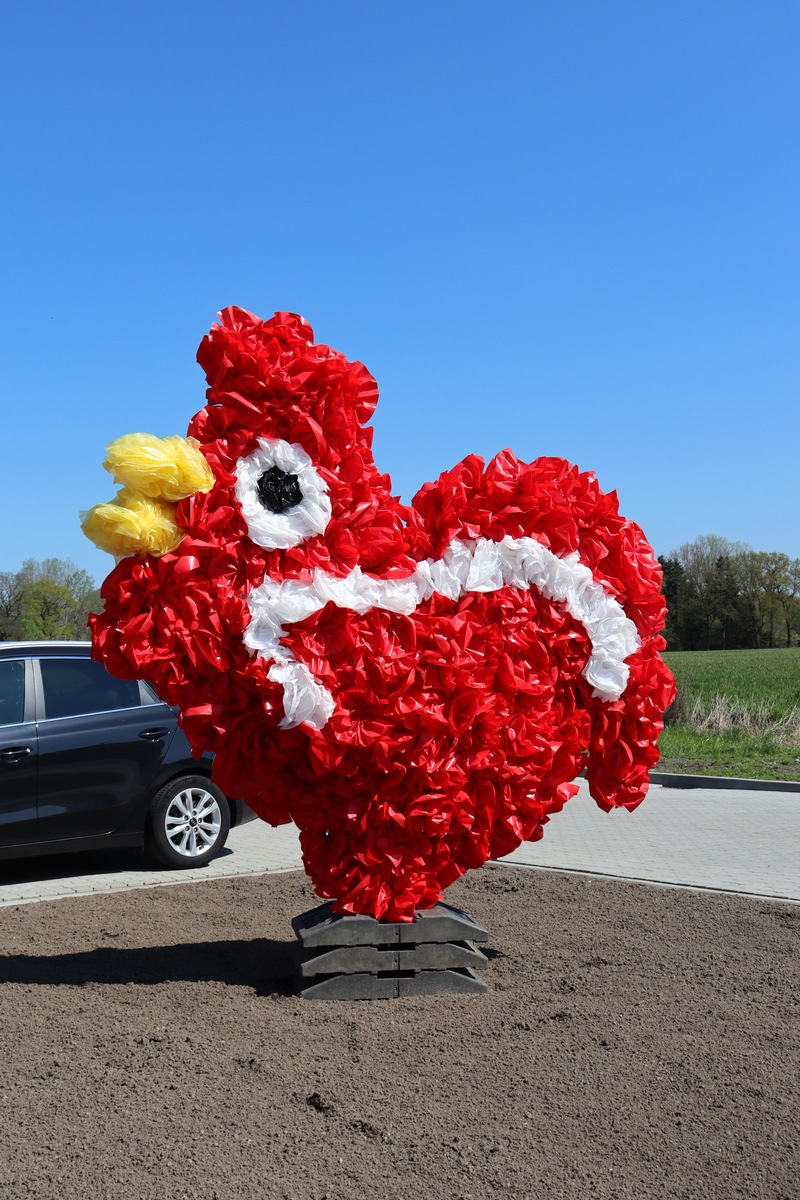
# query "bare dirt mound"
(636, 1042)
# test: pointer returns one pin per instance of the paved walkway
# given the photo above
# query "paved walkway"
(724, 841)
(251, 850)
(729, 841)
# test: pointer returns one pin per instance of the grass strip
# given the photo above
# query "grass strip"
(737, 714)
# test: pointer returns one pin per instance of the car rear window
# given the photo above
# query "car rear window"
(12, 691)
(80, 685)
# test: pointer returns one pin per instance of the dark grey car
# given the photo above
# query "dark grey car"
(88, 761)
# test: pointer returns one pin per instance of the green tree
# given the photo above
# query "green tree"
(790, 601)
(673, 591)
(769, 587)
(751, 585)
(11, 595)
(724, 595)
(46, 600)
(47, 612)
(779, 588)
(708, 601)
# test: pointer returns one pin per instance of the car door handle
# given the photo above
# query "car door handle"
(15, 752)
(152, 735)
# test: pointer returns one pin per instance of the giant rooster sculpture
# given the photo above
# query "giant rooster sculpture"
(417, 687)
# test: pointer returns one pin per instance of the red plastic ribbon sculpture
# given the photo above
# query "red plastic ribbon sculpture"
(416, 686)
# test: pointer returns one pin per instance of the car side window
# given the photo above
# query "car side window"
(147, 695)
(12, 691)
(80, 685)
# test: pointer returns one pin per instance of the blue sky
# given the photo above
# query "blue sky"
(570, 228)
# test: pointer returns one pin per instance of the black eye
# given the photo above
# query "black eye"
(279, 491)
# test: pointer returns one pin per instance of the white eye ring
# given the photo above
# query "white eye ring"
(281, 530)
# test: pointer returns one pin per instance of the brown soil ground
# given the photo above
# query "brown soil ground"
(636, 1042)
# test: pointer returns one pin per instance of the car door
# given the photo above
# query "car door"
(18, 753)
(101, 745)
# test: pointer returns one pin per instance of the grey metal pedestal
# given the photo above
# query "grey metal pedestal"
(358, 958)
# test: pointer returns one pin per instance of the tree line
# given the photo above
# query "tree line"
(724, 595)
(47, 600)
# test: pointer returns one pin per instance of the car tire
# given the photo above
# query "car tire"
(187, 823)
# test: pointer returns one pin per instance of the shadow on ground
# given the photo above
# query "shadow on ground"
(262, 964)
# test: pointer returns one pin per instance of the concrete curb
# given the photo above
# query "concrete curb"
(666, 779)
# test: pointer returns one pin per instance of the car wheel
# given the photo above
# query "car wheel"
(188, 822)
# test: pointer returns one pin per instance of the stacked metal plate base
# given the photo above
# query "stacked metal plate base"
(358, 958)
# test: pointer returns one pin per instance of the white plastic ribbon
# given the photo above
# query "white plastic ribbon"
(466, 566)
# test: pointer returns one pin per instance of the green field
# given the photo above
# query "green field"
(737, 713)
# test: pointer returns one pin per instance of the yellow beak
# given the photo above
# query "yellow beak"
(155, 474)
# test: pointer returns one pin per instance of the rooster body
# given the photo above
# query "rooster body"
(416, 686)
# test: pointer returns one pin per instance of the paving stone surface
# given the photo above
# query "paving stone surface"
(729, 841)
(252, 849)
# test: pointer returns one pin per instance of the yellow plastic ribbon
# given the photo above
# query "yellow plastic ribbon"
(156, 473)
